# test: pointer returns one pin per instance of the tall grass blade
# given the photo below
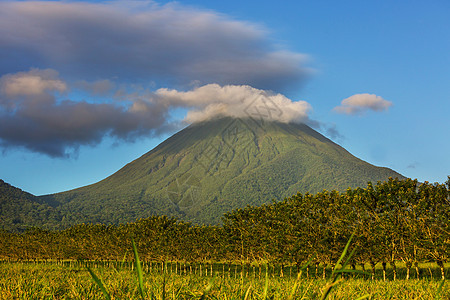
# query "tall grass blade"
(124, 257)
(294, 288)
(99, 283)
(344, 253)
(348, 259)
(247, 293)
(335, 271)
(138, 270)
(364, 297)
(439, 290)
(266, 284)
(308, 262)
(164, 288)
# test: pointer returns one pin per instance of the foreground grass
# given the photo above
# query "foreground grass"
(51, 281)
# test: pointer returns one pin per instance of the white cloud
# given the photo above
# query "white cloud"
(237, 101)
(33, 82)
(360, 103)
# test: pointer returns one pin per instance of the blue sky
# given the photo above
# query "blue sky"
(86, 87)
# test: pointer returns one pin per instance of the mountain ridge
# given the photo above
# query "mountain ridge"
(212, 167)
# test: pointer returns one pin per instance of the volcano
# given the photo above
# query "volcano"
(216, 166)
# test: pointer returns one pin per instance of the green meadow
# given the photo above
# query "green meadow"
(72, 280)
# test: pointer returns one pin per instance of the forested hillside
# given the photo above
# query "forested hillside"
(20, 210)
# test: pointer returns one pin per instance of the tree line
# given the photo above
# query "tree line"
(391, 222)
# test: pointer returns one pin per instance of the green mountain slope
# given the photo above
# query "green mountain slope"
(213, 167)
(20, 210)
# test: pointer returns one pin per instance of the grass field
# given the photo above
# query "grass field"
(53, 281)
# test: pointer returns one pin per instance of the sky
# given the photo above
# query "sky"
(88, 86)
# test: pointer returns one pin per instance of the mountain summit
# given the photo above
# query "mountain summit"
(215, 166)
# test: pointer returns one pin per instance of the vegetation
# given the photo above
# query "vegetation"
(399, 232)
(51, 281)
(20, 210)
(394, 221)
(206, 170)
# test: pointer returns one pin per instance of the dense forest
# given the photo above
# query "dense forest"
(393, 221)
(19, 209)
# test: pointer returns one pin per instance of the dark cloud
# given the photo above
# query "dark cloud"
(36, 114)
(99, 87)
(72, 73)
(330, 130)
(31, 116)
(413, 165)
(169, 45)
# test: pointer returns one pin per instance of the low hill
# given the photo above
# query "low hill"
(20, 210)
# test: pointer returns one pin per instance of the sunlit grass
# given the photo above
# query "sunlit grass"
(51, 281)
